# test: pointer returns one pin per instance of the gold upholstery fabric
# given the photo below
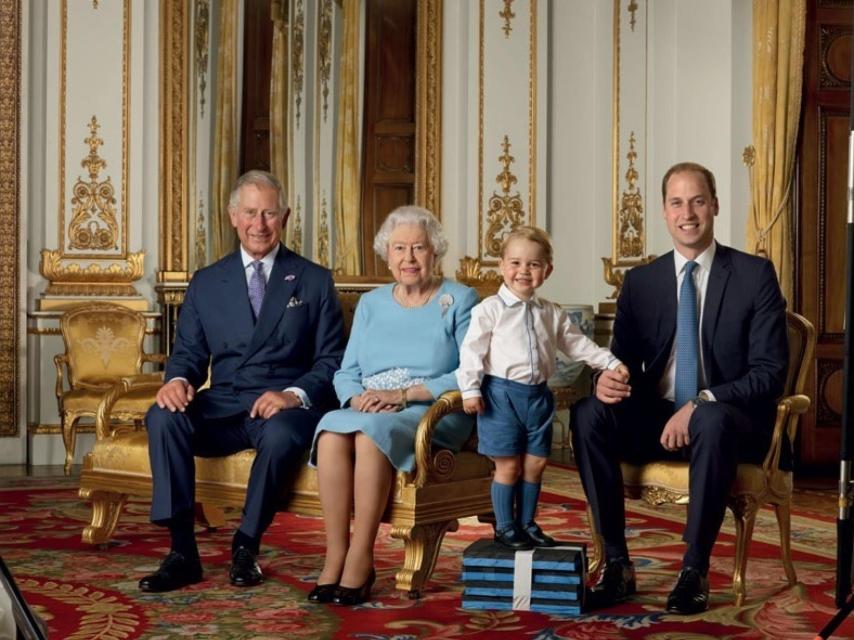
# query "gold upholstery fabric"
(754, 485)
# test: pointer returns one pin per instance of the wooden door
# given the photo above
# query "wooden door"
(388, 150)
(257, 64)
(821, 220)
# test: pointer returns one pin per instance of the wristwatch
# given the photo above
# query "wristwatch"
(702, 398)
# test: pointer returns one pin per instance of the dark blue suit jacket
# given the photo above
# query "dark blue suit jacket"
(743, 337)
(297, 341)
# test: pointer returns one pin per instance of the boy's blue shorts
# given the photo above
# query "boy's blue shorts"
(518, 418)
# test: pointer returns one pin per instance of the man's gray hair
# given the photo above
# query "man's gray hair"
(410, 214)
(258, 178)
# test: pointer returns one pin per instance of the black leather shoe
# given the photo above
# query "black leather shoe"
(175, 571)
(349, 596)
(513, 537)
(691, 593)
(322, 593)
(538, 537)
(245, 571)
(615, 584)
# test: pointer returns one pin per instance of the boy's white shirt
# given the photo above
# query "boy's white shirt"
(518, 340)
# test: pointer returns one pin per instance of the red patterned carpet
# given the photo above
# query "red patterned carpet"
(85, 593)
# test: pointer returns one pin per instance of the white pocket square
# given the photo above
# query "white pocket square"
(294, 302)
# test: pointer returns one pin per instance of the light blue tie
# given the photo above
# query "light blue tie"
(687, 361)
(257, 286)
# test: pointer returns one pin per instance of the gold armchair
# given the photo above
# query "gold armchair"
(103, 342)
(755, 485)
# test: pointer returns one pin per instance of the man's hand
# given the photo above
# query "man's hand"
(270, 403)
(175, 395)
(474, 405)
(675, 434)
(377, 401)
(612, 386)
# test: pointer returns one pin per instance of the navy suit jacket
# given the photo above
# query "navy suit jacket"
(744, 336)
(297, 341)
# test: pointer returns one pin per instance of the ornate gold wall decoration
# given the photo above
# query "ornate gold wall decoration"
(298, 56)
(505, 210)
(507, 14)
(633, 7)
(296, 240)
(174, 142)
(323, 235)
(10, 259)
(630, 218)
(93, 223)
(94, 4)
(201, 235)
(72, 279)
(428, 115)
(201, 42)
(324, 50)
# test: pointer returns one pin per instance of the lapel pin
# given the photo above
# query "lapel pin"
(290, 277)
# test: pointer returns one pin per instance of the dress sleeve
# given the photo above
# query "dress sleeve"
(461, 311)
(348, 379)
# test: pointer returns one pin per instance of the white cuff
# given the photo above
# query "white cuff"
(303, 397)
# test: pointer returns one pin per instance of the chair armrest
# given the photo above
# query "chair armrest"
(154, 357)
(142, 382)
(59, 360)
(788, 410)
(450, 402)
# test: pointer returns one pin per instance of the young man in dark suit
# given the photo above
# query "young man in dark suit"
(269, 325)
(703, 332)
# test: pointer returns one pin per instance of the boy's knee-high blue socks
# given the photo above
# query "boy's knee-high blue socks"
(502, 504)
(530, 495)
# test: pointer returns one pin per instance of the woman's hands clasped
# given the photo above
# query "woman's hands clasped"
(378, 401)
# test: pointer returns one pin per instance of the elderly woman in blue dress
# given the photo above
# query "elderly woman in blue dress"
(402, 354)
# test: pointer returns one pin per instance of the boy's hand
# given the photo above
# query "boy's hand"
(623, 370)
(612, 385)
(474, 405)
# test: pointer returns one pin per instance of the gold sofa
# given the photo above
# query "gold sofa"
(103, 343)
(755, 485)
(424, 505)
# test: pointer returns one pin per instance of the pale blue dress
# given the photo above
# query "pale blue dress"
(392, 347)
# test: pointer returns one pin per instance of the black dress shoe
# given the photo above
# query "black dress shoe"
(513, 537)
(245, 571)
(615, 584)
(691, 593)
(322, 593)
(175, 571)
(349, 596)
(538, 537)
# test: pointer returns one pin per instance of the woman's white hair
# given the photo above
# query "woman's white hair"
(410, 214)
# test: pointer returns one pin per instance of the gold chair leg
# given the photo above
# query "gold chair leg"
(210, 516)
(106, 509)
(744, 511)
(69, 438)
(597, 553)
(784, 520)
(421, 549)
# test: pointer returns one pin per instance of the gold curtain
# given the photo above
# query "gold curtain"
(348, 150)
(226, 137)
(279, 99)
(778, 53)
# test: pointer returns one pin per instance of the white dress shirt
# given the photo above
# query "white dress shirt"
(667, 384)
(518, 340)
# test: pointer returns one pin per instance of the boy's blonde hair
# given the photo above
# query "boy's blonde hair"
(532, 234)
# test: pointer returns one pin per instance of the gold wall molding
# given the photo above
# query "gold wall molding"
(428, 115)
(10, 204)
(201, 234)
(298, 57)
(324, 50)
(632, 8)
(201, 42)
(507, 15)
(506, 210)
(76, 246)
(36, 429)
(93, 223)
(96, 279)
(174, 141)
(323, 235)
(296, 241)
(630, 217)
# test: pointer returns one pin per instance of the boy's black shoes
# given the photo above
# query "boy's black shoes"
(514, 537)
(538, 537)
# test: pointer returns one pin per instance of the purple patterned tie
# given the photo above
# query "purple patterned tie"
(257, 285)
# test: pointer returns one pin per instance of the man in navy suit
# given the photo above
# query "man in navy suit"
(268, 324)
(729, 323)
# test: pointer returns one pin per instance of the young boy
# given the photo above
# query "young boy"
(505, 360)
